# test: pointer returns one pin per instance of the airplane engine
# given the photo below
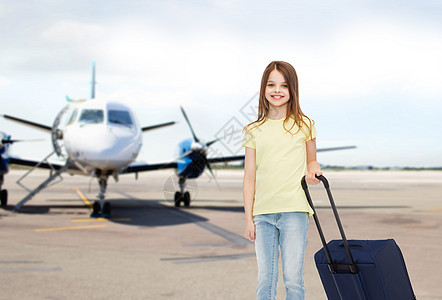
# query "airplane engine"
(192, 161)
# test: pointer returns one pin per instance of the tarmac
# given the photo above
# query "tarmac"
(148, 249)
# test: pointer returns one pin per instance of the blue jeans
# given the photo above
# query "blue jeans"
(289, 231)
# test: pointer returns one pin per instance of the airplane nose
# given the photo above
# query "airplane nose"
(110, 144)
(104, 147)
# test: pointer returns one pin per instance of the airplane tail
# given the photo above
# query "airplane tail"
(93, 82)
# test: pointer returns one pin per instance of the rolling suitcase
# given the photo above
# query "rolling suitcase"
(359, 269)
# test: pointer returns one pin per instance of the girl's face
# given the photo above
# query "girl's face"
(277, 90)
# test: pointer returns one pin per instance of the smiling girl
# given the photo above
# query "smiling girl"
(280, 148)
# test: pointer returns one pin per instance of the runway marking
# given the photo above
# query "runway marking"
(102, 220)
(87, 202)
(71, 228)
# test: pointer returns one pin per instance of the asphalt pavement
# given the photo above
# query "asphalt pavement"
(148, 249)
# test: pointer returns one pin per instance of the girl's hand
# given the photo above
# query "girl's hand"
(311, 179)
(250, 231)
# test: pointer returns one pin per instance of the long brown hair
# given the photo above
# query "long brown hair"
(293, 107)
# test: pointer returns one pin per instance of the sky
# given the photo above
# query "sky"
(370, 72)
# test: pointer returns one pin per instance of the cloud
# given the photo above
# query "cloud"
(379, 56)
(4, 81)
(209, 47)
(73, 34)
(370, 61)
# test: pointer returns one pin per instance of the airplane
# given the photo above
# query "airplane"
(102, 139)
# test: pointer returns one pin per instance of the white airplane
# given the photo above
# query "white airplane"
(103, 139)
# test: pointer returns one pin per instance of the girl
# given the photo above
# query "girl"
(280, 148)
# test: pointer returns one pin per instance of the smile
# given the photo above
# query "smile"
(277, 97)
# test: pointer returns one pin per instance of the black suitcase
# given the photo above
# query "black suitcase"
(359, 269)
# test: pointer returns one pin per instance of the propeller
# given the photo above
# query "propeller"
(190, 126)
(223, 137)
(213, 176)
(198, 147)
(7, 141)
(4, 141)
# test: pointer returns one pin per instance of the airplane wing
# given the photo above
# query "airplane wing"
(142, 167)
(225, 159)
(133, 168)
(147, 128)
(335, 148)
(71, 168)
(241, 157)
(33, 163)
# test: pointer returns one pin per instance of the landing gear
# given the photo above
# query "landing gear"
(96, 209)
(3, 193)
(182, 196)
(101, 211)
(106, 210)
(102, 181)
(4, 198)
(185, 198)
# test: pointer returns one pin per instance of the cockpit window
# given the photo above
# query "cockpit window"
(91, 116)
(120, 117)
(73, 117)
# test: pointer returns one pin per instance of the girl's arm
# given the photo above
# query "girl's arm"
(313, 167)
(249, 191)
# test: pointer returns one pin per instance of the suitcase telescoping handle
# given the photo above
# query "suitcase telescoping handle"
(333, 266)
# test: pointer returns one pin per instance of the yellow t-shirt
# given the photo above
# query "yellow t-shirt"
(281, 162)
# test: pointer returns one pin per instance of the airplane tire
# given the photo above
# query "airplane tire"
(4, 198)
(186, 199)
(96, 208)
(177, 199)
(106, 209)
